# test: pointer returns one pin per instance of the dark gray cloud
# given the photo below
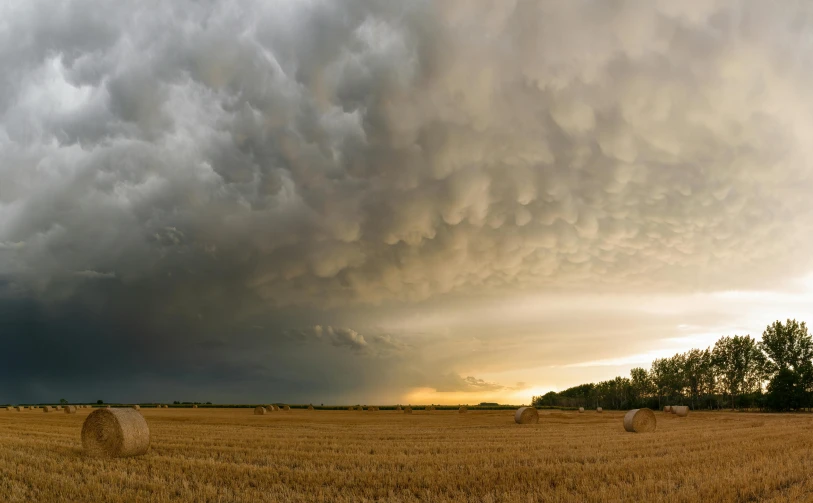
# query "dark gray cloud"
(226, 162)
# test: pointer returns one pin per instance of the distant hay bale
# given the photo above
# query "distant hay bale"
(9, 408)
(526, 415)
(310, 407)
(136, 407)
(407, 410)
(194, 406)
(19, 409)
(682, 410)
(639, 421)
(351, 408)
(398, 409)
(70, 409)
(581, 410)
(47, 408)
(599, 410)
(667, 408)
(259, 411)
(59, 407)
(108, 407)
(269, 408)
(115, 433)
(286, 408)
(463, 409)
(276, 408)
(428, 408)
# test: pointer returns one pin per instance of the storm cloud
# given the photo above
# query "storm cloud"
(205, 179)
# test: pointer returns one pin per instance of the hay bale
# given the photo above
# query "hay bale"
(599, 410)
(115, 433)
(276, 408)
(526, 415)
(667, 408)
(19, 409)
(136, 407)
(9, 408)
(259, 411)
(47, 408)
(463, 409)
(351, 408)
(269, 408)
(194, 406)
(407, 410)
(286, 408)
(310, 407)
(398, 409)
(639, 421)
(581, 410)
(682, 410)
(59, 407)
(673, 409)
(70, 409)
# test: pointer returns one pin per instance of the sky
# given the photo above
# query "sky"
(359, 201)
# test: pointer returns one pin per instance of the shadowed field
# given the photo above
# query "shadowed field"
(342, 456)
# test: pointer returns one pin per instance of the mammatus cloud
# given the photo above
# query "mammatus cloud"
(355, 151)
(223, 160)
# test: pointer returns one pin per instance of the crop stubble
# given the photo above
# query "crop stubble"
(482, 456)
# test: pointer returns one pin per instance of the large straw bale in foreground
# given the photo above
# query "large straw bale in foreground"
(681, 410)
(526, 415)
(70, 409)
(259, 411)
(639, 421)
(115, 433)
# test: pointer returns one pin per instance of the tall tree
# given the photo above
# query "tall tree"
(740, 365)
(789, 350)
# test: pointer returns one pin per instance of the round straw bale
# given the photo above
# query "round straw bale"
(259, 411)
(682, 410)
(310, 407)
(581, 410)
(59, 407)
(463, 409)
(194, 406)
(269, 408)
(9, 408)
(526, 415)
(667, 408)
(136, 407)
(407, 410)
(398, 409)
(47, 408)
(599, 410)
(285, 407)
(639, 421)
(351, 408)
(19, 409)
(276, 408)
(70, 409)
(115, 433)
(673, 409)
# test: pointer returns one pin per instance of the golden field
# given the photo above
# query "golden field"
(207, 455)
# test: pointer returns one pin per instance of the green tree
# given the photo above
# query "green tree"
(62, 401)
(789, 347)
(641, 386)
(740, 366)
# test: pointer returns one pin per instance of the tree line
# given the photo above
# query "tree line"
(738, 372)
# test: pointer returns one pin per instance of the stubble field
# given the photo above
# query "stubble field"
(227, 455)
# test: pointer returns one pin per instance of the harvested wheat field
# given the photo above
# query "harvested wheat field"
(482, 456)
